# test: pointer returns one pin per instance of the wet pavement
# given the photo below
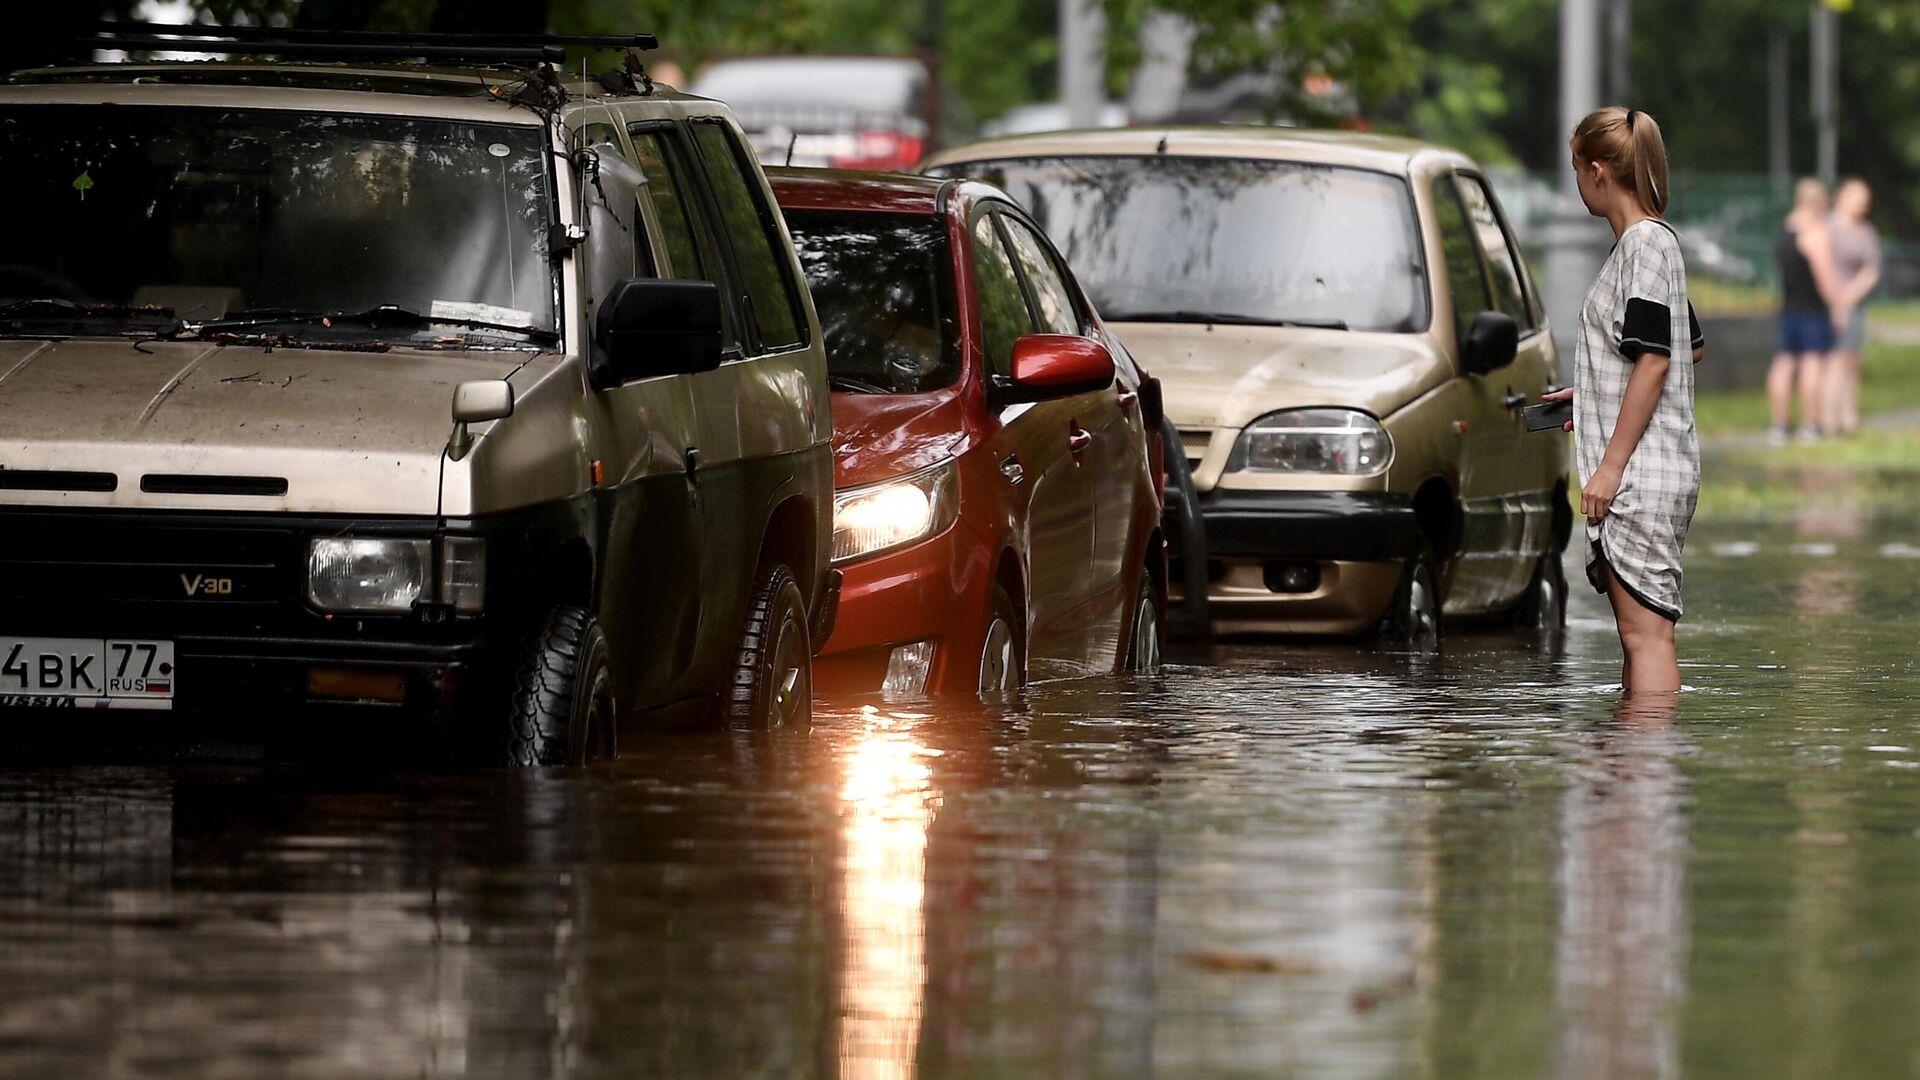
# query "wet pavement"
(1274, 861)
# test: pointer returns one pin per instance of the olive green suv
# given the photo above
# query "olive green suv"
(455, 388)
(1346, 333)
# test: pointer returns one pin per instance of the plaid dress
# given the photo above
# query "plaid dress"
(1638, 305)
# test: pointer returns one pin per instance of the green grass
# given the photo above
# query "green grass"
(1713, 296)
(1890, 382)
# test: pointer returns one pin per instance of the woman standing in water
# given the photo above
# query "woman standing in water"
(1634, 440)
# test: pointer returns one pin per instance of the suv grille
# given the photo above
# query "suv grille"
(62, 572)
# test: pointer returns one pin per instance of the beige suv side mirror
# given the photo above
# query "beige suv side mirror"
(477, 402)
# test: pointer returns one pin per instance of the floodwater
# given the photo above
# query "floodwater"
(1276, 861)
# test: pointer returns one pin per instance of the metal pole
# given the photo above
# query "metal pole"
(1083, 60)
(1779, 134)
(1619, 51)
(1823, 44)
(1576, 243)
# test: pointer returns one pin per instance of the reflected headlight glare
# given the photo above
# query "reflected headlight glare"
(1330, 442)
(872, 519)
(367, 576)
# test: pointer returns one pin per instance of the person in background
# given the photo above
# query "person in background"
(1809, 311)
(1856, 262)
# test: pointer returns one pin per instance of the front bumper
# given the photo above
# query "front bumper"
(938, 590)
(1352, 545)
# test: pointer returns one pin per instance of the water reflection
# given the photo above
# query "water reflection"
(1621, 948)
(889, 803)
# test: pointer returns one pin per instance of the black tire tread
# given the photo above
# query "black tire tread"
(545, 683)
(744, 698)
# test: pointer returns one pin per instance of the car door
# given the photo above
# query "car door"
(1033, 447)
(1111, 463)
(758, 409)
(1537, 471)
(1479, 576)
(652, 578)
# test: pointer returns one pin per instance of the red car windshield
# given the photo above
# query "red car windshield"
(883, 284)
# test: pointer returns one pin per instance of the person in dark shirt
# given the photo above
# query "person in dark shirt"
(1809, 308)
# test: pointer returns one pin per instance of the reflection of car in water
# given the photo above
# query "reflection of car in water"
(842, 112)
(1347, 333)
(996, 512)
(469, 392)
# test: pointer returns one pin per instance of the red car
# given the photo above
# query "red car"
(996, 451)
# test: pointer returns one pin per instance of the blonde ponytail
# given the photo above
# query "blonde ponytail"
(1628, 143)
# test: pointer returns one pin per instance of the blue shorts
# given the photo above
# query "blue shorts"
(1803, 332)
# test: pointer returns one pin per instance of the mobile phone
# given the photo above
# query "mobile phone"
(1548, 415)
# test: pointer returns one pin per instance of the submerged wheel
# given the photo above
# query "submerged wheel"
(1543, 609)
(1148, 634)
(1003, 653)
(771, 685)
(563, 707)
(1412, 622)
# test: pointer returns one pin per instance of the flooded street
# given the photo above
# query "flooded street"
(1274, 861)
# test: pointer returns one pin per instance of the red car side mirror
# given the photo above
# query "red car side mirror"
(1048, 366)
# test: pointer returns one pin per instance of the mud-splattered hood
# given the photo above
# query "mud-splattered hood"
(349, 432)
(1226, 376)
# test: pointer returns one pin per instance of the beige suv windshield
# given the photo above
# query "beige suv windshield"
(1187, 239)
(217, 213)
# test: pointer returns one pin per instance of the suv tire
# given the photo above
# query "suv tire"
(563, 707)
(1543, 610)
(1413, 620)
(771, 684)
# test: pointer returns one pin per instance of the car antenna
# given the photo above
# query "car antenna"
(1162, 147)
(793, 140)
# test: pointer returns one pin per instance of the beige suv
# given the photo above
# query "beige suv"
(1347, 333)
(459, 390)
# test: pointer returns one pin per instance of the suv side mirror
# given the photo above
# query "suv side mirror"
(650, 326)
(1048, 366)
(477, 402)
(1491, 344)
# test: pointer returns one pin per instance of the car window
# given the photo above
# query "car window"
(761, 252)
(883, 286)
(1003, 308)
(1156, 238)
(1503, 260)
(1053, 302)
(1466, 285)
(665, 171)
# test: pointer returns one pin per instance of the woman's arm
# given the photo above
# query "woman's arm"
(1817, 245)
(1863, 282)
(1644, 387)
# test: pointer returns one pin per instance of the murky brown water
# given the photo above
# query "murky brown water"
(1276, 861)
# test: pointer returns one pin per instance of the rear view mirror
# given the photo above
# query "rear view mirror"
(1048, 366)
(648, 327)
(1491, 343)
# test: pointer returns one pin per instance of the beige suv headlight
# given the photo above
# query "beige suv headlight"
(385, 576)
(1327, 442)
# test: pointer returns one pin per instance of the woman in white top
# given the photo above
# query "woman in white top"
(1634, 438)
(1856, 263)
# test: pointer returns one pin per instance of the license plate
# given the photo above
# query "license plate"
(86, 673)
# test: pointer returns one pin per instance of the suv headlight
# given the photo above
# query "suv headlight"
(878, 517)
(1333, 442)
(365, 576)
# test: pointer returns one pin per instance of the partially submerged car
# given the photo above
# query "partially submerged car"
(996, 508)
(1347, 334)
(467, 390)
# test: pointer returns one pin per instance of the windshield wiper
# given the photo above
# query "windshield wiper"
(1224, 318)
(385, 314)
(48, 307)
(847, 382)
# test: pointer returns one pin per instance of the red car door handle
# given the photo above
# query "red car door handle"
(1125, 397)
(1078, 439)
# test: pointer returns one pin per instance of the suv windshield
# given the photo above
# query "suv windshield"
(217, 213)
(883, 285)
(1187, 239)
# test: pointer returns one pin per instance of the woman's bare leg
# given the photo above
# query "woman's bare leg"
(1843, 392)
(1646, 640)
(1813, 388)
(1780, 390)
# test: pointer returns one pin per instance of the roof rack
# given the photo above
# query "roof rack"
(355, 44)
